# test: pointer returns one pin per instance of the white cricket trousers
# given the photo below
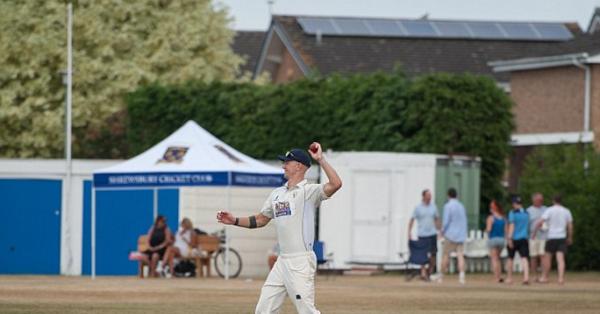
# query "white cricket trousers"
(292, 275)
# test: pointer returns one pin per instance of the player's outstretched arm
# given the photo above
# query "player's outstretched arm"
(256, 221)
(335, 182)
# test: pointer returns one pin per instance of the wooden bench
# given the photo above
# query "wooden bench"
(209, 244)
(142, 246)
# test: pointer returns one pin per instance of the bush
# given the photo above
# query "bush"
(440, 113)
(560, 169)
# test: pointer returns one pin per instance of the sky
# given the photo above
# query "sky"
(254, 14)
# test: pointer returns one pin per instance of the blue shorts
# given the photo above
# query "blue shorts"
(496, 243)
(432, 241)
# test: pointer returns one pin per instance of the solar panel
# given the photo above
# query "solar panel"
(352, 26)
(419, 28)
(385, 27)
(312, 25)
(452, 29)
(434, 29)
(519, 30)
(485, 30)
(552, 31)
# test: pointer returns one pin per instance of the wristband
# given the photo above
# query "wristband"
(237, 221)
(252, 220)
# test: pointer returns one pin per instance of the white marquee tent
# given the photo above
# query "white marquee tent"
(190, 156)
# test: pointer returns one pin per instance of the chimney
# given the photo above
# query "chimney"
(319, 37)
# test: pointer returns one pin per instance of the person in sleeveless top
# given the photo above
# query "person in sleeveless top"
(185, 241)
(496, 231)
(159, 238)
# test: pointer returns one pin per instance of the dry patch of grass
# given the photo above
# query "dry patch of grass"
(343, 294)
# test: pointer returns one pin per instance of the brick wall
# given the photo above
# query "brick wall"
(288, 69)
(548, 100)
(551, 101)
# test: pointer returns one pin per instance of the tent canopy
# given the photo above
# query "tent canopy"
(190, 156)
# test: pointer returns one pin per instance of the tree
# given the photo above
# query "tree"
(560, 169)
(118, 45)
(462, 114)
(439, 113)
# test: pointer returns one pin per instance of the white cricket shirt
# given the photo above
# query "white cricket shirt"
(293, 210)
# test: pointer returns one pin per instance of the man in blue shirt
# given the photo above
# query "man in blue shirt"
(454, 230)
(428, 222)
(518, 235)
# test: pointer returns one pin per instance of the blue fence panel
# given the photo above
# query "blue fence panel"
(30, 226)
(121, 217)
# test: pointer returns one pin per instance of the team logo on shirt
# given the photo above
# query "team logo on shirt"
(282, 209)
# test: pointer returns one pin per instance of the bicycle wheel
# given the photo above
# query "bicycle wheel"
(235, 263)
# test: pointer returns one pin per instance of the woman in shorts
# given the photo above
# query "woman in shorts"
(496, 231)
(185, 241)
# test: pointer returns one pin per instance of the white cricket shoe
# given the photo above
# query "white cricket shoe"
(461, 278)
(437, 277)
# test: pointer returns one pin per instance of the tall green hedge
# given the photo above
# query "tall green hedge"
(560, 169)
(439, 113)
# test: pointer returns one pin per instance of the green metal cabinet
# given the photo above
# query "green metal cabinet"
(463, 174)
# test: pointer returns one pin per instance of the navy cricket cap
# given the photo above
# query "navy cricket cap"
(296, 154)
(516, 200)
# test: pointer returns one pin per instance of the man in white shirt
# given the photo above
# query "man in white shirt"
(560, 235)
(292, 207)
(537, 243)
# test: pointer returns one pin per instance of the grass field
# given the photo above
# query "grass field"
(342, 294)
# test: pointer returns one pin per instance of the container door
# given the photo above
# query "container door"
(30, 226)
(371, 209)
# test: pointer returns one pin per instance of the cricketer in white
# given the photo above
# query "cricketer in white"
(292, 206)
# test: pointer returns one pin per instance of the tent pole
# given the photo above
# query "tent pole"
(155, 203)
(93, 231)
(229, 183)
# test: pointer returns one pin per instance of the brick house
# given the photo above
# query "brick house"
(248, 44)
(297, 46)
(542, 66)
(556, 96)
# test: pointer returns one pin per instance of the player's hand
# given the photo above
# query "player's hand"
(225, 218)
(318, 154)
(569, 241)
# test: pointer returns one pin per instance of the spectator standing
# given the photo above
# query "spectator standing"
(496, 230)
(537, 242)
(454, 231)
(428, 223)
(518, 235)
(560, 236)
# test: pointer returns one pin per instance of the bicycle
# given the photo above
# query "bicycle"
(235, 260)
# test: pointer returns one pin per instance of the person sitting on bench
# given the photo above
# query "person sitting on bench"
(159, 238)
(185, 242)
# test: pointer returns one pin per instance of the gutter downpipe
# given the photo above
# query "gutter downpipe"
(586, 105)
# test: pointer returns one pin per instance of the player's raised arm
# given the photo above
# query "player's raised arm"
(255, 221)
(334, 183)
